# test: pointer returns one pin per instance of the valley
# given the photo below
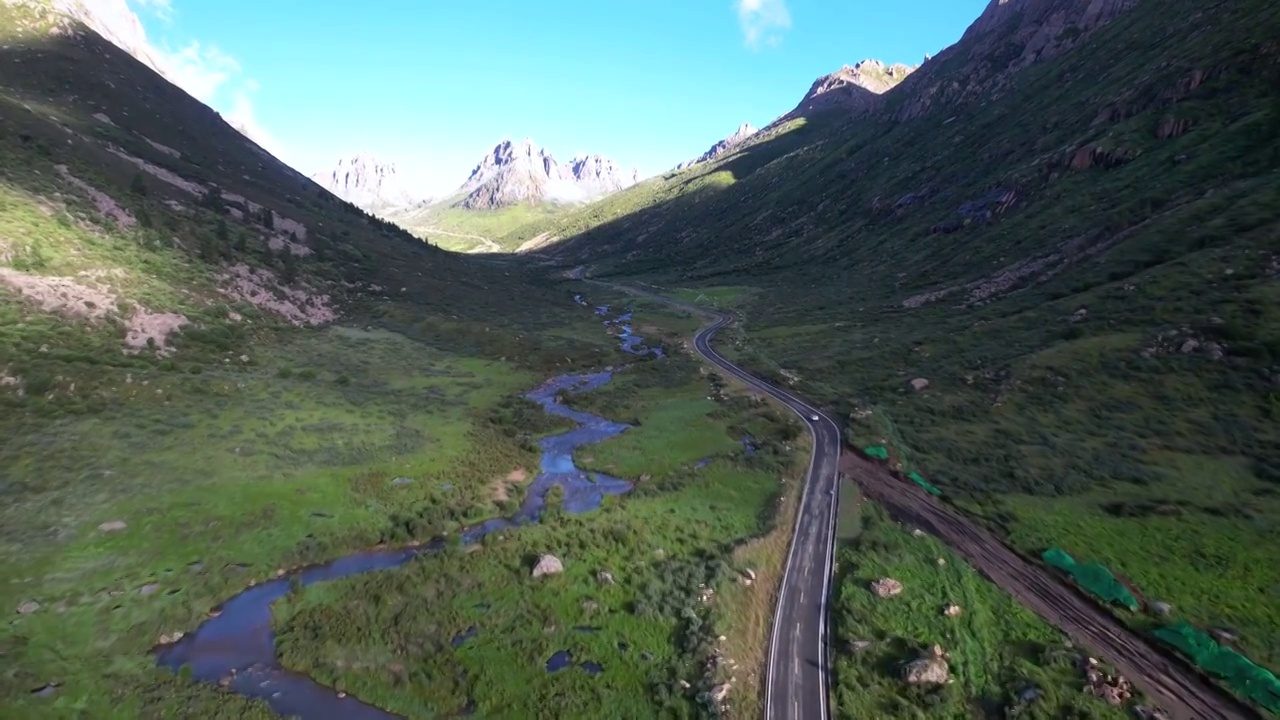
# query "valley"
(950, 391)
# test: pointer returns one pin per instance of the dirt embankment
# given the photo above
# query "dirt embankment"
(1169, 682)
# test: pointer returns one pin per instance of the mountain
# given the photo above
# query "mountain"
(743, 132)
(209, 363)
(854, 89)
(521, 173)
(1043, 267)
(367, 182)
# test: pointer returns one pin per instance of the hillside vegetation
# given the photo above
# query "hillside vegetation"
(211, 369)
(1048, 276)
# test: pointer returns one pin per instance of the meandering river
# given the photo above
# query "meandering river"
(237, 646)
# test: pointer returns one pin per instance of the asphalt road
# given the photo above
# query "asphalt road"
(798, 667)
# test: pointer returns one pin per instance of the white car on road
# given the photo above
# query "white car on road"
(813, 418)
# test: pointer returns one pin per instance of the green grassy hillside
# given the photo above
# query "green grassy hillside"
(487, 231)
(1081, 257)
(210, 368)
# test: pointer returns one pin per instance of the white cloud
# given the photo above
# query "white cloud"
(199, 70)
(203, 70)
(162, 9)
(242, 118)
(763, 21)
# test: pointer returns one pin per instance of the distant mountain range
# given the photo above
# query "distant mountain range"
(511, 174)
(516, 173)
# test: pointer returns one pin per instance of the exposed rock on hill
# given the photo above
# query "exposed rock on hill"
(744, 131)
(367, 182)
(855, 89)
(522, 173)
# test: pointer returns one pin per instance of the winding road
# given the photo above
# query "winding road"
(797, 673)
(797, 682)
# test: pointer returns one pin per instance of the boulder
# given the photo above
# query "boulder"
(931, 669)
(112, 526)
(886, 587)
(604, 577)
(548, 565)
(952, 610)
(919, 384)
(720, 692)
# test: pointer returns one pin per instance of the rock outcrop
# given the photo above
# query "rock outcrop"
(366, 182)
(515, 173)
(855, 89)
(744, 131)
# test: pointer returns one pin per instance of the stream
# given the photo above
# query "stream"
(237, 646)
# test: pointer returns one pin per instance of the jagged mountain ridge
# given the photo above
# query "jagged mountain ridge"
(516, 173)
(368, 182)
(744, 131)
(856, 89)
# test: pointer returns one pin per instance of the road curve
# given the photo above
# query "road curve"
(798, 667)
(797, 671)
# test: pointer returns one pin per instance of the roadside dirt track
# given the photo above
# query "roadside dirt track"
(1166, 680)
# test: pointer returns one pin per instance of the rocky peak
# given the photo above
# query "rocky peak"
(855, 89)
(366, 182)
(521, 172)
(744, 131)
(1008, 36)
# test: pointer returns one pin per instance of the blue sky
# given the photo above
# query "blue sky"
(433, 84)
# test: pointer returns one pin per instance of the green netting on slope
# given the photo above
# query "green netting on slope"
(878, 452)
(915, 478)
(1093, 577)
(1250, 680)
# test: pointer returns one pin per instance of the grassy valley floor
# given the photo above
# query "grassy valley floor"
(126, 524)
(677, 615)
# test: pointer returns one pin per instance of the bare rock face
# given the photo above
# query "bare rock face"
(515, 173)
(743, 132)
(886, 587)
(856, 89)
(548, 565)
(931, 669)
(366, 182)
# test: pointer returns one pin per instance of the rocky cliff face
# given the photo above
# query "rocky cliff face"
(367, 182)
(522, 173)
(1008, 36)
(854, 89)
(743, 132)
